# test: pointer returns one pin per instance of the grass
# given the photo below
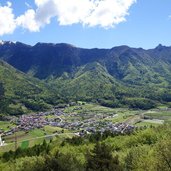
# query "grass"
(89, 108)
(5, 125)
(25, 140)
(118, 118)
(21, 135)
(25, 144)
(94, 109)
(148, 124)
(37, 133)
(7, 148)
(164, 115)
(50, 116)
(50, 129)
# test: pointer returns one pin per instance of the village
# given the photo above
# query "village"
(74, 123)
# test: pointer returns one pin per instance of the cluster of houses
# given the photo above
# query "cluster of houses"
(58, 118)
(118, 128)
(121, 128)
(28, 122)
(39, 120)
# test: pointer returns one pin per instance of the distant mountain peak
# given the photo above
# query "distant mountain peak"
(2, 42)
(66, 44)
(160, 47)
(39, 44)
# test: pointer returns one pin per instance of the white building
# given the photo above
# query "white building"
(2, 143)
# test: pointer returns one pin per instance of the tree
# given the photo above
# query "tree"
(34, 163)
(4, 102)
(2, 90)
(138, 158)
(163, 155)
(101, 159)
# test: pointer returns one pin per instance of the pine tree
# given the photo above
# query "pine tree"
(101, 159)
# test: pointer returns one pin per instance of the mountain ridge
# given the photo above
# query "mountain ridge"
(120, 76)
(66, 57)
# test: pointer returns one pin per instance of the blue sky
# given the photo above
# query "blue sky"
(147, 24)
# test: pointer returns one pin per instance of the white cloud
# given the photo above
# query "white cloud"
(45, 11)
(75, 11)
(28, 21)
(103, 13)
(28, 5)
(109, 13)
(33, 20)
(7, 21)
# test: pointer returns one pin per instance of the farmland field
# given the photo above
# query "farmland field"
(25, 144)
(5, 125)
(163, 115)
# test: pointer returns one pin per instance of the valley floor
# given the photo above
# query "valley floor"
(77, 119)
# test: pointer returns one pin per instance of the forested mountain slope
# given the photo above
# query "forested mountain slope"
(130, 65)
(120, 76)
(19, 92)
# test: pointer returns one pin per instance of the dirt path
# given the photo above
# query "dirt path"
(133, 119)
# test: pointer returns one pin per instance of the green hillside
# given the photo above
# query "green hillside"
(117, 77)
(19, 92)
(89, 82)
(93, 83)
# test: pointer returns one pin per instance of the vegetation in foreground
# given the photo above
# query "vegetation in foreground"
(148, 149)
